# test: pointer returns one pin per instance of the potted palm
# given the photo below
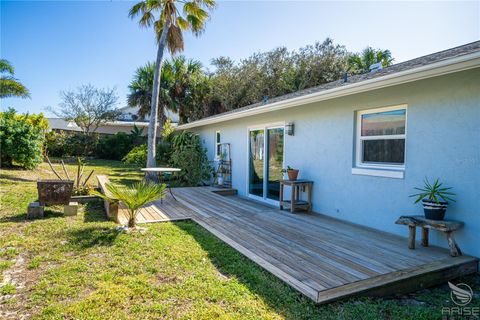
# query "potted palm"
(434, 198)
(291, 172)
(133, 197)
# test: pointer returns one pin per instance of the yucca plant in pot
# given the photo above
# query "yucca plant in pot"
(435, 199)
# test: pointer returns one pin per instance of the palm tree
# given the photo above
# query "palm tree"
(140, 94)
(180, 88)
(9, 86)
(185, 75)
(134, 197)
(360, 63)
(168, 26)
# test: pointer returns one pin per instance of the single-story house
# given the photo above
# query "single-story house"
(111, 127)
(366, 141)
(125, 122)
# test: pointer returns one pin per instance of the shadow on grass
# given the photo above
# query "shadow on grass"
(22, 217)
(94, 212)
(278, 295)
(7, 177)
(92, 236)
(124, 181)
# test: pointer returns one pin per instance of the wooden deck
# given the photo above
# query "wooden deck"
(323, 258)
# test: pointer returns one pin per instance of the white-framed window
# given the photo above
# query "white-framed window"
(218, 144)
(380, 139)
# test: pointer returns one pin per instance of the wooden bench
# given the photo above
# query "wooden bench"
(445, 226)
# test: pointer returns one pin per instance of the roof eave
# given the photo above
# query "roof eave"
(456, 64)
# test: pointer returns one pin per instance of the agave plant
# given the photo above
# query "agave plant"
(433, 192)
(134, 197)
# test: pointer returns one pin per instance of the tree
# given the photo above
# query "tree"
(185, 86)
(88, 107)
(134, 197)
(9, 86)
(21, 139)
(140, 94)
(276, 72)
(361, 62)
(168, 25)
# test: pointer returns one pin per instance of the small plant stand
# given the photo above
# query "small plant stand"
(297, 187)
(224, 168)
(445, 226)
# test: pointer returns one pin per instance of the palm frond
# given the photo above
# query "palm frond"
(10, 87)
(6, 66)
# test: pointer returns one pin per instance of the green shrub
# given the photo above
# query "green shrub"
(164, 152)
(189, 155)
(138, 156)
(21, 139)
(114, 147)
(56, 144)
(71, 144)
(79, 144)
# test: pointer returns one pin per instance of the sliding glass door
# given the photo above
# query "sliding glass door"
(266, 148)
(256, 181)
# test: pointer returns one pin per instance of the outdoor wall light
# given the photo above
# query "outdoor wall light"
(289, 128)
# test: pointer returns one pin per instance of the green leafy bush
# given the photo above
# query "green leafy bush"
(56, 144)
(114, 147)
(21, 139)
(189, 155)
(138, 156)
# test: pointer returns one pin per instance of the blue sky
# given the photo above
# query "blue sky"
(60, 45)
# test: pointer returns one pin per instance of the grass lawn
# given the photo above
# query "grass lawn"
(81, 268)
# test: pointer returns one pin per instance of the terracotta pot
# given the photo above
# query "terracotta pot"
(292, 174)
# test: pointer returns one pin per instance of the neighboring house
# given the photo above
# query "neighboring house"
(367, 142)
(106, 128)
(125, 123)
(131, 114)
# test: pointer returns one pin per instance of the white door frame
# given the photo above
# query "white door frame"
(264, 127)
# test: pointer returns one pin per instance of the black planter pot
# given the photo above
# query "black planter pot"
(434, 210)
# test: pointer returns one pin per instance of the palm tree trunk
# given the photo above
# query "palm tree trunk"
(152, 126)
(132, 220)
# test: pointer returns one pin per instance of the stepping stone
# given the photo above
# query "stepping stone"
(71, 209)
(35, 210)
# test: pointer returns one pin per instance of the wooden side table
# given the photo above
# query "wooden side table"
(445, 226)
(297, 187)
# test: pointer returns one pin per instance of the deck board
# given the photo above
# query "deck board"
(320, 256)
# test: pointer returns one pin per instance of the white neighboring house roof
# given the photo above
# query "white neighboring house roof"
(128, 113)
(437, 64)
(105, 128)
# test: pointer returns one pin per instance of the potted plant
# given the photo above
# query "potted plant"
(220, 173)
(291, 172)
(431, 196)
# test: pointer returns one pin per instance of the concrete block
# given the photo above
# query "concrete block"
(71, 209)
(35, 210)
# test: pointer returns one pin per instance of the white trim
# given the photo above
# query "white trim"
(456, 64)
(217, 143)
(358, 139)
(396, 174)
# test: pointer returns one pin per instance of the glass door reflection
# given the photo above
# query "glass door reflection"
(274, 162)
(256, 170)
